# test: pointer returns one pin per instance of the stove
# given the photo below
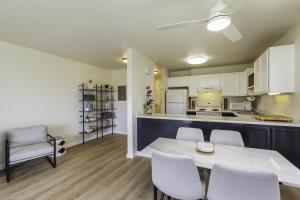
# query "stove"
(208, 110)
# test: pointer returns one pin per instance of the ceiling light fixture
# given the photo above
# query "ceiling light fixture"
(274, 93)
(218, 21)
(196, 60)
(124, 60)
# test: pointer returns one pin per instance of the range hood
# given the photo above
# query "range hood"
(209, 89)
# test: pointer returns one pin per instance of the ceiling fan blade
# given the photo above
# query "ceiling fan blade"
(220, 5)
(232, 33)
(175, 25)
(233, 5)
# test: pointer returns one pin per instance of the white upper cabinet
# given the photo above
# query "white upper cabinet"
(183, 81)
(244, 83)
(230, 83)
(282, 69)
(215, 82)
(274, 70)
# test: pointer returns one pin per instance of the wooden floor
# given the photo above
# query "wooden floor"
(96, 170)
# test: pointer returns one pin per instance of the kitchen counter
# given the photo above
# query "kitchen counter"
(283, 137)
(240, 119)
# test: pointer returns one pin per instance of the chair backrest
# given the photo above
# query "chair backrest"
(176, 176)
(190, 134)
(26, 136)
(228, 183)
(233, 138)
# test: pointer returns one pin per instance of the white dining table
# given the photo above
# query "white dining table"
(239, 157)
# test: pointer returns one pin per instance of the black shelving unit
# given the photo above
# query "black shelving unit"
(103, 110)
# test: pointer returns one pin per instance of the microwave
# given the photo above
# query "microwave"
(241, 106)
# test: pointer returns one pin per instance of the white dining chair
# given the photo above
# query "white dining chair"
(176, 176)
(228, 183)
(190, 134)
(226, 137)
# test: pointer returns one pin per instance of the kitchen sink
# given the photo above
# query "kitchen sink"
(228, 114)
(223, 114)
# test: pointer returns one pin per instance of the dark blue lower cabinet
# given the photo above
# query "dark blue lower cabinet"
(285, 140)
(257, 136)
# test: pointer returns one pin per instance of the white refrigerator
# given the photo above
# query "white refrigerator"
(176, 101)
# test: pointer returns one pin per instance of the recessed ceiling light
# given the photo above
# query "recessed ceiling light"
(124, 60)
(218, 22)
(196, 60)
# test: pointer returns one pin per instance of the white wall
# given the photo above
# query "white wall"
(39, 88)
(119, 78)
(137, 80)
(288, 104)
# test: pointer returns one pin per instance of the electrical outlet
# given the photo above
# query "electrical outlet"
(286, 110)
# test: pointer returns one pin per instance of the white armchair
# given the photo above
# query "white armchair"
(23, 144)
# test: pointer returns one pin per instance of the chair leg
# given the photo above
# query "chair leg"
(54, 154)
(53, 163)
(7, 170)
(162, 196)
(154, 192)
(7, 159)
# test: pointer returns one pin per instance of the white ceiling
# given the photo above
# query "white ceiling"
(99, 31)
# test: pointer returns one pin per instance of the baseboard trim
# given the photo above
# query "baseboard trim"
(131, 156)
(122, 133)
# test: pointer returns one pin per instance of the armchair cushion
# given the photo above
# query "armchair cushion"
(23, 153)
(27, 136)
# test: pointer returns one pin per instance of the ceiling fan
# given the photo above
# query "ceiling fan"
(219, 19)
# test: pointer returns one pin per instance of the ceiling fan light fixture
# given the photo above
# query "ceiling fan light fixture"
(218, 22)
(196, 60)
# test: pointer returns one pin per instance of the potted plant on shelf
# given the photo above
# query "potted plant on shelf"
(149, 101)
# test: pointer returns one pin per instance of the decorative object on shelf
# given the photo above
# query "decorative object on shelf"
(90, 85)
(107, 123)
(107, 105)
(89, 97)
(148, 109)
(106, 87)
(89, 107)
(205, 147)
(122, 93)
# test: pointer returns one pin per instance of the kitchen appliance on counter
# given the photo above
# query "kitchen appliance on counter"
(241, 106)
(176, 101)
(208, 106)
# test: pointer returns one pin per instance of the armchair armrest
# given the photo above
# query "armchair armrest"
(54, 149)
(51, 137)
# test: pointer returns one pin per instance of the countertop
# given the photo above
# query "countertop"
(240, 119)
